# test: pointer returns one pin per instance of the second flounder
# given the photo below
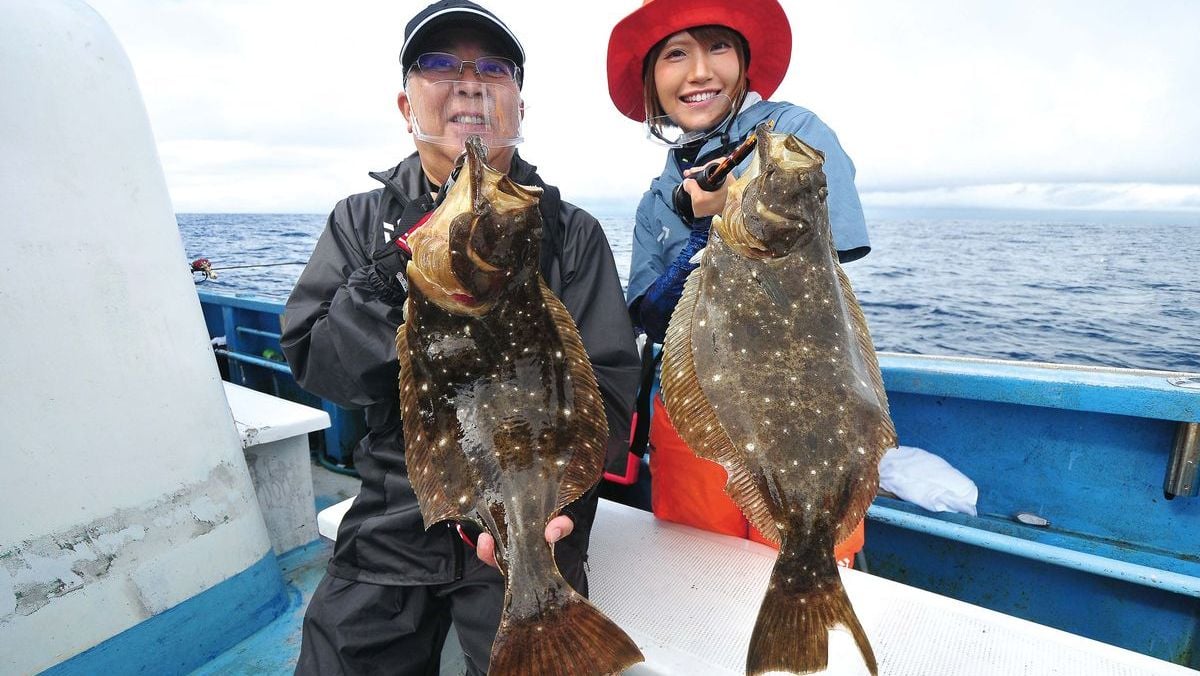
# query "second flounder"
(769, 370)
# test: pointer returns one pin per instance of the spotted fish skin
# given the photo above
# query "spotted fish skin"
(769, 370)
(503, 421)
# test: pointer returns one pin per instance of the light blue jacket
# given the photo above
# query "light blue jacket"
(659, 234)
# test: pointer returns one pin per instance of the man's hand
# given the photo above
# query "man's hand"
(705, 203)
(558, 528)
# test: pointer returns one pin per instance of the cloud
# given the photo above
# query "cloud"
(942, 94)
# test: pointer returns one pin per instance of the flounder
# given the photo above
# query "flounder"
(769, 370)
(503, 421)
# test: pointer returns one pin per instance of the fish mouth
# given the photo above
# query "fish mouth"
(464, 256)
(479, 262)
(772, 228)
(731, 228)
(446, 292)
(780, 213)
(776, 204)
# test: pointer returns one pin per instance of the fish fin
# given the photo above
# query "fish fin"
(421, 451)
(694, 417)
(587, 462)
(884, 437)
(865, 345)
(572, 638)
(792, 630)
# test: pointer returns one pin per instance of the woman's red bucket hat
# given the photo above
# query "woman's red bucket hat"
(763, 24)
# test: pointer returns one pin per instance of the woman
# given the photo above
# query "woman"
(698, 73)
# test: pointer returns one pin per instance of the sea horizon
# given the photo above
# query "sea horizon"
(1082, 287)
(612, 209)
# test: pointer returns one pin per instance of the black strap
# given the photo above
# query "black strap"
(387, 254)
(413, 212)
(552, 235)
(641, 430)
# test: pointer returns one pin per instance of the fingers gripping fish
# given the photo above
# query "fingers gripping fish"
(503, 420)
(769, 370)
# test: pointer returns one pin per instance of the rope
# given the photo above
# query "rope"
(258, 265)
(207, 271)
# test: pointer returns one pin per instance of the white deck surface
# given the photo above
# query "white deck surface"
(262, 418)
(689, 599)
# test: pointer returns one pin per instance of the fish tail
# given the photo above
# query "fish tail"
(569, 639)
(792, 631)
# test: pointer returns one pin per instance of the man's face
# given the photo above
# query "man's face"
(448, 106)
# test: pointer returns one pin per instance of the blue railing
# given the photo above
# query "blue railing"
(253, 357)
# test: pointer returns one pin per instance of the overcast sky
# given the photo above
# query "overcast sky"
(273, 106)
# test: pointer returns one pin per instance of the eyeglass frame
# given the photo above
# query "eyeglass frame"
(462, 67)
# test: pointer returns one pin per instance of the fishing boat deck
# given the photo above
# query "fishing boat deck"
(1090, 450)
(689, 599)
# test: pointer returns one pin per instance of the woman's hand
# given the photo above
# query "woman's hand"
(705, 203)
(558, 528)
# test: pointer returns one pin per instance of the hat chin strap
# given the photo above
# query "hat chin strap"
(749, 98)
(737, 110)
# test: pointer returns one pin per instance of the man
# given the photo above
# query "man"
(392, 588)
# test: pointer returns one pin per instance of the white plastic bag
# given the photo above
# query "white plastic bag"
(922, 478)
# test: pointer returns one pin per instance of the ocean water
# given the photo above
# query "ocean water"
(1073, 288)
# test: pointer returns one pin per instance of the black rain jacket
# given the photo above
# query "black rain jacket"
(339, 332)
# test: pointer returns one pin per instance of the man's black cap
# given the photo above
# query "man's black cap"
(461, 12)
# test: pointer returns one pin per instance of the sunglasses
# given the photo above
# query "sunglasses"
(489, 67)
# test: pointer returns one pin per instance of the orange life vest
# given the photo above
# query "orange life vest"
(690, 490)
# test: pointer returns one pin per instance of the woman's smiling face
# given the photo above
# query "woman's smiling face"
(691, 76)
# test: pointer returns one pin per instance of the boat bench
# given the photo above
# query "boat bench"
(274, 435)
(689, 599)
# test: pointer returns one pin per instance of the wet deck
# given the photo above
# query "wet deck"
(273, 650)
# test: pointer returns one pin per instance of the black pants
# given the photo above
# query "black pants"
(355, 628)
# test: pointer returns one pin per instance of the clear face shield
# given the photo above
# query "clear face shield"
(446, 112)
(667, 132)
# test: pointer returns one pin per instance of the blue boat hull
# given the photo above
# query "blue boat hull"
(1084, 448)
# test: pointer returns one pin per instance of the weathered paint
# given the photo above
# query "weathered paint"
(126, 567)
(50, 566)
(187, 636)
(282, 476)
